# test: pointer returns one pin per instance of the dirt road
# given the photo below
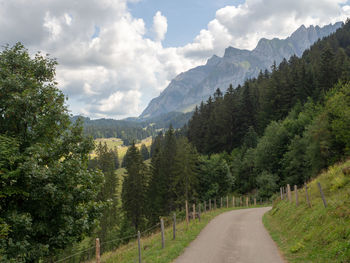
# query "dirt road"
(237, 236)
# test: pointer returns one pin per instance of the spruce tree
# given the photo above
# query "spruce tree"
(134, 187)
(144, 152)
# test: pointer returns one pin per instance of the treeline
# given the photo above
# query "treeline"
(127, 131)
(176, 173)
(132, 129)
(285, 125)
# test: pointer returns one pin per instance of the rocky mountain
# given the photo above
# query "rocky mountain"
(195, 85)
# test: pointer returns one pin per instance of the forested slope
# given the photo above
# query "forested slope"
(285, 125)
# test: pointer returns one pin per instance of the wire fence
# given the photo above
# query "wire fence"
(191, 213)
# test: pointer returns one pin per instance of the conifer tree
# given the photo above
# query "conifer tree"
(144, 152)
(105, 161)
(134, 187)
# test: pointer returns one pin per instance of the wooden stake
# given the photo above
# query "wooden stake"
(281, 193)
(296, 195)
(174, 226)
(139, 244)
(186, 212)
(209, 204)
(226, 201)
(307, 196)
(193, 211)
(199, 212)
(205, 206)
(246, 201)
(322, 194)
(215, 204)
(254, 201)
(98, 254)
(233, 201)
(289, 193)
(162, 229)
(240, 201)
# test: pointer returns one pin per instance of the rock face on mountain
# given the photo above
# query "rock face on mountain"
(195, 85)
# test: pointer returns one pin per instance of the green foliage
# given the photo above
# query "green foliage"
(144, 152)
(267, 184)
(106, 161)
(227, 121)
(215, 177)
(48, 196)
(134, 187)
(185, 172)
(315, 234)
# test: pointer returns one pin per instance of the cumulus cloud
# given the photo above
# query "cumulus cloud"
(242, 26)
(108, 66)
(160, 26)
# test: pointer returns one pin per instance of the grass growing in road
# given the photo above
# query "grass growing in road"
(316, 234)
(151, 245)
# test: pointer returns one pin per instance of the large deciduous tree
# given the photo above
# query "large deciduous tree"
(47, 194)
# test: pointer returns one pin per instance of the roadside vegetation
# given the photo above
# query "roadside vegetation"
(315, 234)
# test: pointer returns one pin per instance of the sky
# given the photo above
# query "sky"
(116, 55)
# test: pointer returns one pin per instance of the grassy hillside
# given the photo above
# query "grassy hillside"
(118, 143)
(315, 234)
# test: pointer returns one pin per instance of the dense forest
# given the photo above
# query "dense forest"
(285, 125)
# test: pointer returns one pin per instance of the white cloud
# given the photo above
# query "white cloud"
(107, 65)
(160, 26)
(242, 26)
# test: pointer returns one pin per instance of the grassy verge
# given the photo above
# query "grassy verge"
(316, 234)
(151, 245)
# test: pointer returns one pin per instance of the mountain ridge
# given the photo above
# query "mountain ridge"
(195, 85)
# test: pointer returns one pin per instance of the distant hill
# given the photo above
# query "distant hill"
(191, 87)
(132, 128)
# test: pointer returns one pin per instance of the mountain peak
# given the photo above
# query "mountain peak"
(232, 52)
(195, 85)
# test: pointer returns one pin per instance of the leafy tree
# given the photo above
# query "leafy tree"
(47, 193)
(215, 178)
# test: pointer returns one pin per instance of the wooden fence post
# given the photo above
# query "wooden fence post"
(215, 204)
(307, 196)
(186, 212)
(281, 193)
(322, 194)
(246, 201)
(205, 206)
(209, 204)
(227, 201)
(254, 201)
(199, 212)
(162, 229)
(289, 193)
(174, 226)
(221, 202)
(240, 201)
(194, 211)
(139, 244)
(233, 201)
(98, 254)
(285, 193)
(296, 195)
